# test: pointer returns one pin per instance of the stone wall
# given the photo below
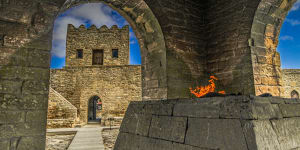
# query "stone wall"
(227, 123)
(183, 25)
(265, 31)
(291, 81)
(115, 85)
(228, 52)
(61, 113)
(97, 39)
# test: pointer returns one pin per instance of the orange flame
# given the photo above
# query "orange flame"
(203, 90)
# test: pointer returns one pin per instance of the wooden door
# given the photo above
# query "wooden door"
(97, 57)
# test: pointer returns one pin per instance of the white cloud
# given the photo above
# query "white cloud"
(293, 22)
(296, 6)
(97, 13)
(93, 13)
(287, 38)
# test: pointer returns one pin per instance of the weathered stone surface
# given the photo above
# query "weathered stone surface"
(4, 144)
(34, 143)
(140, 142)
(215, 133)
(264, 110)
(199, 109)
(136, 124)
(265, 136)
(290, 110)
(159, 109)
(168, 128)
(288, 132)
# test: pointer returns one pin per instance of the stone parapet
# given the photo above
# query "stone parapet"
(227, 123)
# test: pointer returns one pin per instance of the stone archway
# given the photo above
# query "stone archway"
(151, 40)
(93, 104)
(265, 32)
(25, 43)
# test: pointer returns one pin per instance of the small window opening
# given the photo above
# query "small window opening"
(294, 94)
(115, 53)
(79, 53)
(2, 40)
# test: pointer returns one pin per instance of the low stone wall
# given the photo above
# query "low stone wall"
(60, 123)
(291, 81)
(226, 123)
(113, 121)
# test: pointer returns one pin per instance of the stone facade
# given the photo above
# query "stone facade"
(291, 82)
(115, 82)
(91, 39)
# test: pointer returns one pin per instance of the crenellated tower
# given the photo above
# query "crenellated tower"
(97, 46)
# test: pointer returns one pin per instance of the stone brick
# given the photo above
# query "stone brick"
(263, 110)
(168, 128)
(10, 87)
(136, 124)
(4, 144)
(159, 109)
(36, 116)
(15, 116)
(288, 132)
(11, 102)
(290, 110)
(265, 136)
(29, 129)
(32, 143)
(197, 109)
(215, 133)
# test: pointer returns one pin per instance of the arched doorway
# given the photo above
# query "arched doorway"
(294, 94)
(264, 39)
(94, 105)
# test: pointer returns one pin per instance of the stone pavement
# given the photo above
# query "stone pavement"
(88, 138)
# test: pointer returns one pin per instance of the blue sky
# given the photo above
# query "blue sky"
(88, 14)
(99, 14)
(289, 40)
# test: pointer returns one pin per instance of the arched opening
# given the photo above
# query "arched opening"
(25, 41)
(265, 33)
(294, 94)
(95, 104)
(82, 42)
(151, 41)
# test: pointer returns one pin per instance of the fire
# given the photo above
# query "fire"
(203, 90)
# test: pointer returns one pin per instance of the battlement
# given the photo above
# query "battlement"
(97, 46)
(104, 28)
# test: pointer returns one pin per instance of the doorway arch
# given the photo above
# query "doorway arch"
(294, 94)
(94, 104)
(267, 22)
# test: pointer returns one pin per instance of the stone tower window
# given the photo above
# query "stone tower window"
(115, 53)
(79, 53)
(97, 57)
(294, 94)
